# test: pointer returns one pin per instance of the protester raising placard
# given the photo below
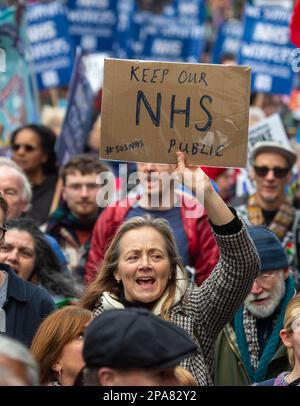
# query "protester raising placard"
(153, 109)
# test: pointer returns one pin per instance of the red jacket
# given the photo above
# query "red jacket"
(203, 249)
(295, 25)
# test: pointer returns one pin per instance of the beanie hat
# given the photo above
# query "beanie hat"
(271, 253)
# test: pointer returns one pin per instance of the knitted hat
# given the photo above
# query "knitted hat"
(271, 253)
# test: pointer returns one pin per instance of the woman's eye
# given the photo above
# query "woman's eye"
(132, 258)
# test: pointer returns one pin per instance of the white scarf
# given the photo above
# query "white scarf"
(111, 301)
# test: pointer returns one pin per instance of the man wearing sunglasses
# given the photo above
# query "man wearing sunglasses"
(249, 349)
(23, 305)
(272, 171)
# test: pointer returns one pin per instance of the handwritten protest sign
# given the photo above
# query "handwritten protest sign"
(269, 129)
(153, 109)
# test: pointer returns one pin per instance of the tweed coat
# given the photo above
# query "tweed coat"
(205, 310)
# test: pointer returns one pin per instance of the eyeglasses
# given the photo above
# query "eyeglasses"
(265, 278)
(278, 172)
(2, 232)
(26, 147)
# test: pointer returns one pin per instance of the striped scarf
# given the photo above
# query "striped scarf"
(282, 220)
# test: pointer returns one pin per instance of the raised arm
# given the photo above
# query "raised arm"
(195, 179)
(214, 303)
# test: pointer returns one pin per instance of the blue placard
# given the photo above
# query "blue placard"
(52, 51)
(265, 47)
(92, 24)
(228, 40)
(175, 35)
(18, 95)
(79, 115)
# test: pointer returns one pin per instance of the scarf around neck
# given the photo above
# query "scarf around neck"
(282, 220)
(247, 340)
(65, 217)
(111, 301)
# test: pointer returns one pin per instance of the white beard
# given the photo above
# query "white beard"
(263, 311)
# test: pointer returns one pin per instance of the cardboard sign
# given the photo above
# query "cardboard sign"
(153, 109)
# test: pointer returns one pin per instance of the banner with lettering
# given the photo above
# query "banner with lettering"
(266, 47)
(92, 24)
(177, 34)
(52, 50)
(228, 40)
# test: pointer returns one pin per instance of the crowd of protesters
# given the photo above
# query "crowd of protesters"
(185, 292)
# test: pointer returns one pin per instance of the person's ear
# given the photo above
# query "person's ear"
(57, 366)
(107, 376)
(63, 193)
(286, 338)
(289, 177)
(252, 174)
(117, 276)
(286, 273)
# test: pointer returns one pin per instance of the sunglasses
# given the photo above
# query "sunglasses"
(278, 172)
(27, 147)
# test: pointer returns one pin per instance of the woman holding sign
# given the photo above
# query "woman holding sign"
(142, 268)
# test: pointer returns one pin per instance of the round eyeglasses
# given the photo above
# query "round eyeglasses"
(265, 278)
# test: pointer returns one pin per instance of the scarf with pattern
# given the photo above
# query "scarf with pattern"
(282, 220)
(247, 338)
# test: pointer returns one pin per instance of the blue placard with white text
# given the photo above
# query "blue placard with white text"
(177, 34)
(228, 40)
(266, 48)
(51, 49)
(92, 24)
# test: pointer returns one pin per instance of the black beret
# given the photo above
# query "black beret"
(135, 338)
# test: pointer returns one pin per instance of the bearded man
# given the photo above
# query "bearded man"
(249, 348)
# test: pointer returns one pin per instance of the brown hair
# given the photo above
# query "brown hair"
(56, 331)
(292, 309)
(3, 206)
(105, 280)
(83, 163)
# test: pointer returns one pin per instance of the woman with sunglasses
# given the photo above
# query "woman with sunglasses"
(33, 150)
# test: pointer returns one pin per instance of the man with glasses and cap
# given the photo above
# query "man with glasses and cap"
(23, 305)
(272, 165)
(249, 349)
